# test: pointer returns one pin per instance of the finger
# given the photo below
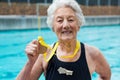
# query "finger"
(37, 43)
(32, 46)
(30, 51)
(38, 46)
(34, 41)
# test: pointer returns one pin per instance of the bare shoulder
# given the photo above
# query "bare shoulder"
(93, 51)
(39, 62)
(101, 65)
(40, 59)
(44, 63)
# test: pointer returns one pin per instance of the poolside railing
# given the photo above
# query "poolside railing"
(31, 22)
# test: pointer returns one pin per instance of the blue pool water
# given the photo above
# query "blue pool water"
(12, 45)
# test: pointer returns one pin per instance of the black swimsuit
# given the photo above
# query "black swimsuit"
(77, 70)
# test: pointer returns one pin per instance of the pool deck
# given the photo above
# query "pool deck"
(34, 22)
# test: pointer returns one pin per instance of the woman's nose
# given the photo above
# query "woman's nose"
(66, 24)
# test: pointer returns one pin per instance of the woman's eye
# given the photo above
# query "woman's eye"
(70, 20)
(59, 20)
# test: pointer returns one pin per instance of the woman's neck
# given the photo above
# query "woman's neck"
(67, 46)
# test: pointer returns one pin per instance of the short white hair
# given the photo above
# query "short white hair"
(60, 3)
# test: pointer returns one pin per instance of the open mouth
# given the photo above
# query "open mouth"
(66, 32)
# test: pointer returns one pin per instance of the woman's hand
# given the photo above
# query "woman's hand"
(30, 71)
(33, 49)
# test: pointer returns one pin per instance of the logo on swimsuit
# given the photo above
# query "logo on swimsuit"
(64, 71)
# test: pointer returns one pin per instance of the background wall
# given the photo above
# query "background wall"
(31, 9)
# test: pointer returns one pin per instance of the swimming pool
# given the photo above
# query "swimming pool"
(13, 42)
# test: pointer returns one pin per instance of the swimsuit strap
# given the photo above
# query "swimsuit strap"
(51, 54)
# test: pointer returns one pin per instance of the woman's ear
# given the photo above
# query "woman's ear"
(78, 28)
(79, 24)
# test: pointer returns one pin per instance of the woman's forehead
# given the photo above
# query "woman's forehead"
(65, 16)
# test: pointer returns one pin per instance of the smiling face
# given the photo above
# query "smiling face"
(65, 24)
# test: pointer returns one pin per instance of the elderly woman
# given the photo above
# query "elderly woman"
(68, 59)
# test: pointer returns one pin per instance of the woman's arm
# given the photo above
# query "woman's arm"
(102, 67)
(33, 68)
(31, 71)
(25, 72)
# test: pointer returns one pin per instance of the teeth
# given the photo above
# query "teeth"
(67, 32)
